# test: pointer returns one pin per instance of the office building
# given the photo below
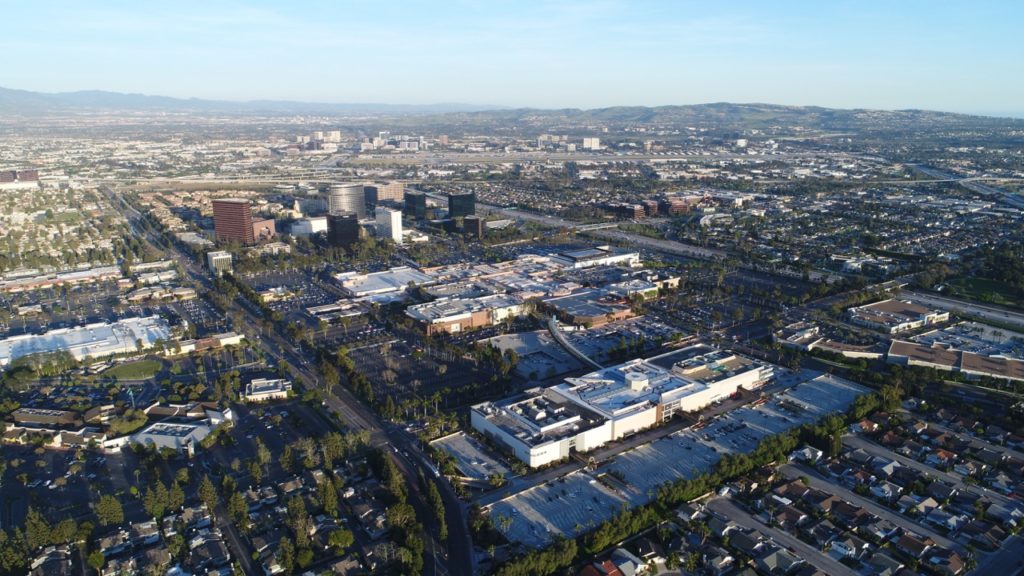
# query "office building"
(218, 262)
(389, 224)
(347, 198)
(232, 221)
(473, 226)
(263, 229)
(265, 389)
(343, 229)
(416, 204)
(309, 226)
(391, 191)
(591, 143)
(461, 205)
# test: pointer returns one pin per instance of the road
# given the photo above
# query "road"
(726, 508)
(955, 480)
(983, 311)
(460, 561)
(818, 481)
(1007, 561)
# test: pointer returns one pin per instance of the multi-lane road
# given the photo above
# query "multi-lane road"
(454, 557)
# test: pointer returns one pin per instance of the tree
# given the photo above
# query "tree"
(37, 530)
(109, 511)
(208, 493)
(175, 497)
(96, 560)
(238, 510)
(340, 540)
(286, 555)
(328, 497)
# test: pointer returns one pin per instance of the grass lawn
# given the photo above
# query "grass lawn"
(139, 370)
(985, 290)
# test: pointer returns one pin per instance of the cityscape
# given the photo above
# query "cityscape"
(263, 336)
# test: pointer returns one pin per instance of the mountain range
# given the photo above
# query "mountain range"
(718, 115)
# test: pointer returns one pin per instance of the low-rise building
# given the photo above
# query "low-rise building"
(893, 316)
(264, 389)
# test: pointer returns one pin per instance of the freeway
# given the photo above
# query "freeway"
(983, 311)
(461, 560)
(975, 185)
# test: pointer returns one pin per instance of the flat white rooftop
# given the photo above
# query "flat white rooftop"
(89, 341)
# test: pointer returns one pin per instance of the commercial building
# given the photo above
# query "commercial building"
(347, 198)
(589, 307)
(309, 226)
(461, 204)
(591, 143)
(641, 393)
(457, 315)
(392, 281)
(416, 204)
(894, 316)
(90, 341)
(473, 226)
(180, 436)
(343, 229)
(218, 262)
(265, 389)
(389, 224)
(953, 360)
(598, 256)
(588, 412)
(232, 221)
(541, 427)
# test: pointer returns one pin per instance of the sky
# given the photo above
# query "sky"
(958, 56)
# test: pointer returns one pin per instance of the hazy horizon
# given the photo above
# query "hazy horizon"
(914, 55)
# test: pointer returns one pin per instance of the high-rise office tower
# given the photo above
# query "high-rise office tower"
(232, 220)
(343, 229)
(342, 198)
(461, 204)
(416, 204)
(389, 223)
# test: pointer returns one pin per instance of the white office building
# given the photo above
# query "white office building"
(389, 223)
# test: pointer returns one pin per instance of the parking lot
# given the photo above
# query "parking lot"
(472, 459)
(689, 453)
(567, 506)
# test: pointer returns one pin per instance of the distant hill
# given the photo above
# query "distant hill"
(717, 116)
(27, 103)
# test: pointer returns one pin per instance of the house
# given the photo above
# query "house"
(718, 560)
(791, 491)
(649, 550)
(878, 528)
(751, 543)
(940, 458)
(882, 564)
(969, 468)
(1010, 514)
(849, 515)
(822, 532)
(820, 500)
(985, 534)
(208, 550)
(628, 563)
(721, 527)
(789, 517)
(689, 512)
(914, 545)
(924, 507)
(850, 546)
(808, 454)
(605, 568)
(886, 491)
(883, 467)
(52, 561)
(114, 544)
(144, 533)
(779, 561)
(943, 519)
(941, 491)
(947, 562)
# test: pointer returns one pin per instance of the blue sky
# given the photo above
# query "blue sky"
(956, 56)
